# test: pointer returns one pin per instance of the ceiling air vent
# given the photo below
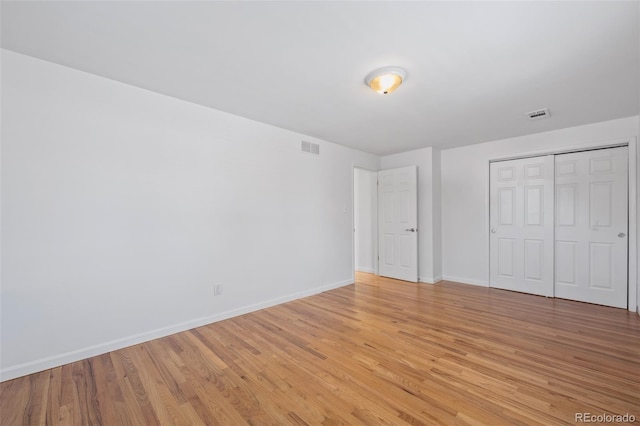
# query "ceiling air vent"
(312, 148)
(538, 114)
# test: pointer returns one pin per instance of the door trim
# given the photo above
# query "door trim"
(632, 264)
(374, 237)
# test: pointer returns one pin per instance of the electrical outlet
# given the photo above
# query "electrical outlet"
(218, 289)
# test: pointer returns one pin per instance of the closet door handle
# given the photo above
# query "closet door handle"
(621, 235)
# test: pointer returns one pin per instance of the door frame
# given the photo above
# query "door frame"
(374, 237)
(632, 144)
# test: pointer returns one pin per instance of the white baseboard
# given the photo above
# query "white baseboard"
(90, 351)
(464, 280)
(430, 280)
(368, 270)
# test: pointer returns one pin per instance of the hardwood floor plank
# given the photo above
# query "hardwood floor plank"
(69, 403)
(160, 397)
(106, 400)
(83, 377)
(132, 388)
(54, 413)
(380, 351)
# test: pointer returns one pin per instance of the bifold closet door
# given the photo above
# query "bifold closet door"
(521, 219)
(592, 226)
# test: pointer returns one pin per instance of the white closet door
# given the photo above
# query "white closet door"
(398, 223)
(521, 219)
(591, 226)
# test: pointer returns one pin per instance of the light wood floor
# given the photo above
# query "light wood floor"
(377, 352)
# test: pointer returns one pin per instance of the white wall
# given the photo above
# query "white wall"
(121, 209)
(428, 195)
(465, 179)
(365, 219)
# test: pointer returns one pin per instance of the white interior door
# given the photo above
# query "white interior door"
(398, 223)
(521, 225)
(592, 226)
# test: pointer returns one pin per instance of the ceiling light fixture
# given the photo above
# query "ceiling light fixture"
(385, 80)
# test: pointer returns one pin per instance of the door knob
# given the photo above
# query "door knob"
(621, 235)
(493, 230)
(411, 229)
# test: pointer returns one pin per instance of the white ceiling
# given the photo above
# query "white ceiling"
(474, 68)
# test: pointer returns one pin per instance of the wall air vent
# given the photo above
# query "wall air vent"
(538, 114)
(311, 148)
